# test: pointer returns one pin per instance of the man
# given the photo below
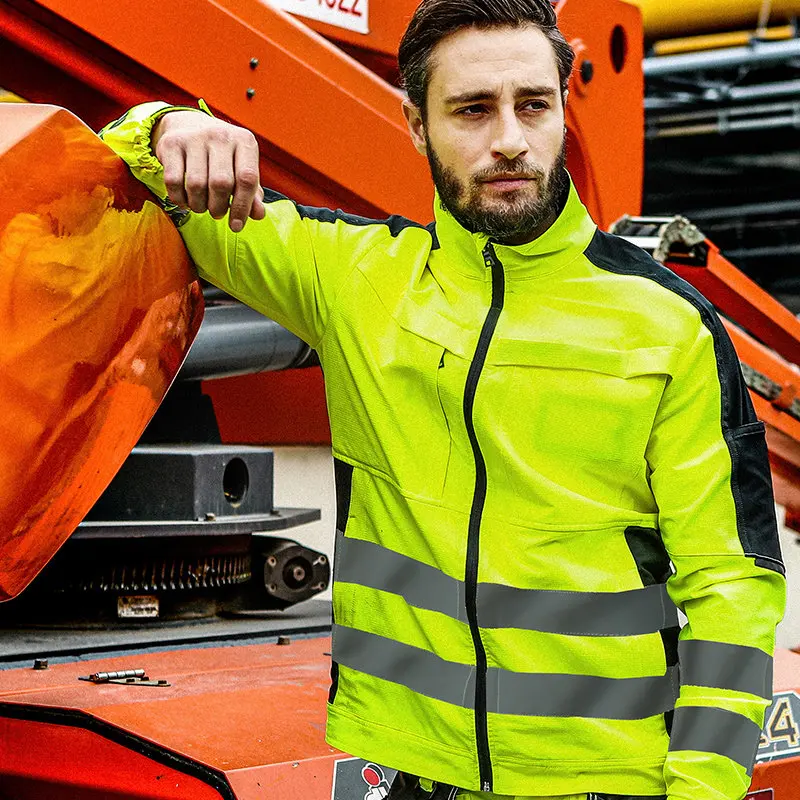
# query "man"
(542, 441)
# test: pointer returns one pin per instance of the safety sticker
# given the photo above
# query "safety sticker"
(761, 794)
(353, 15)
(781, 735)
(356, 779)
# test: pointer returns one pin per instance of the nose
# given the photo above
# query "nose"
(509, 138)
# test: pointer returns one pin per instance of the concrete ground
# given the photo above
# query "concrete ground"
(304, 477)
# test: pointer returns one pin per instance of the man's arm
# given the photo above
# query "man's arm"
(289, 262)
(710, 476)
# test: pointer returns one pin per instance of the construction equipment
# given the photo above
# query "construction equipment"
(246, 720)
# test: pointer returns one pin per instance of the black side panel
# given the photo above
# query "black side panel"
(751, 482)
(649, 553)
(343, 474)
(395, 224)
(752, 488)
(653, 563)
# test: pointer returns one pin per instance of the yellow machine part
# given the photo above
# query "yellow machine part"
(670, 18)
(715, 41)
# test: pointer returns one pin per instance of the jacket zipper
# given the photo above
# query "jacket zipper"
(476, 514)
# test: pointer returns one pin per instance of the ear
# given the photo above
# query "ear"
(564, 98)
(416, 126)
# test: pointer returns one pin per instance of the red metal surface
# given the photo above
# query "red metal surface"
(744, 301)
(253, 714)
(331, 149)
(64, 762)
(781, 776)
(98, 307)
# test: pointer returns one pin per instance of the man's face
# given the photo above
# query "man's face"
(494, 131)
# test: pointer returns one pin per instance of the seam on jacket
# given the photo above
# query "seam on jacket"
(435, 744)
(620, 257)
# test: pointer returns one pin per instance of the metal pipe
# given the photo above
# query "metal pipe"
(727, 112)
(751, 210)
(734, 93)
(715, 41)
(726, 127)
(681, 17)
(758, 53)
(236, 340)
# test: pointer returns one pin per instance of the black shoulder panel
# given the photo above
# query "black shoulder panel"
(751, 483)
(395, 223)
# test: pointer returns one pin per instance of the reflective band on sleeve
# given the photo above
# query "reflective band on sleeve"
(520, 693)
(629, 613)
(725, 666)
(716, 730)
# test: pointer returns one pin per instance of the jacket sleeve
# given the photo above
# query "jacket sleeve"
(289, 266)
(710, 476)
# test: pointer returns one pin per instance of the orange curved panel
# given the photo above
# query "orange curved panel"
(98, 308)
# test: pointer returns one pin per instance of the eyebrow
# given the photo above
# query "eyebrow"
(478, 95)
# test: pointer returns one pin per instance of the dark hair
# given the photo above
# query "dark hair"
(435, 19)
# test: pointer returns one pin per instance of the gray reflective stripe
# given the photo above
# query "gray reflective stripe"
(725, 666)
(716, 730)
(526, 694)
(422, 586)
(630, 613)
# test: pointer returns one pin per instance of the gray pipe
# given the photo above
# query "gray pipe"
(236, 340)
(755, 53)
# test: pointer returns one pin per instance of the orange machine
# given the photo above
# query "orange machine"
(175, 710)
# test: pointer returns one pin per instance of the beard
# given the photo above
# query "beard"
(512, 218)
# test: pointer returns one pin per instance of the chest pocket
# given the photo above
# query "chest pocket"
(572, 402)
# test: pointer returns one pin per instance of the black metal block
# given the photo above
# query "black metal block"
(189, 482)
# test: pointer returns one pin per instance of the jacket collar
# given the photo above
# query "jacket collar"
(561, 243)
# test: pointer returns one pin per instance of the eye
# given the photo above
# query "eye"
(534, 105)
(471, 111)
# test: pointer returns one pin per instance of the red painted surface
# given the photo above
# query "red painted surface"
(61, 762)
(254, 714)
(98, 307)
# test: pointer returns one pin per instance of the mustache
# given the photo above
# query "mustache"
(511, 170)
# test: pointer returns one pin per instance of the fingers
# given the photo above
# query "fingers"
(206, 163)
(247, 197)
(197, 176)
(220, 179)
(171, 156)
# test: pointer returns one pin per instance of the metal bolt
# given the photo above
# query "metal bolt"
(210, 516)
(282, 640)
(273, 587)
(272, 561)
(40, 663)
(299, 574)
(251, 93)
(253, 63)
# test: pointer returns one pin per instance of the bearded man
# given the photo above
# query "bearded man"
(543, 444)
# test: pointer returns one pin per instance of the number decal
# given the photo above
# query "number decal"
(355, 10)
(781, 735)
(782, 726)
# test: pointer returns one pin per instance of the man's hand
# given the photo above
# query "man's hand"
(206, 162)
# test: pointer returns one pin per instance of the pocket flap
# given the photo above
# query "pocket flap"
(562, 355)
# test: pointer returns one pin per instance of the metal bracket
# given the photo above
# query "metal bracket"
(126, 677)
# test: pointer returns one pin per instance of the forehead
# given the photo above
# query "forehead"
(490, 59)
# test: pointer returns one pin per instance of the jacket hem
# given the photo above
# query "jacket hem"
(435, 761)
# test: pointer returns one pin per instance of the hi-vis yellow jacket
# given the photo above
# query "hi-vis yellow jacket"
(540, 452)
